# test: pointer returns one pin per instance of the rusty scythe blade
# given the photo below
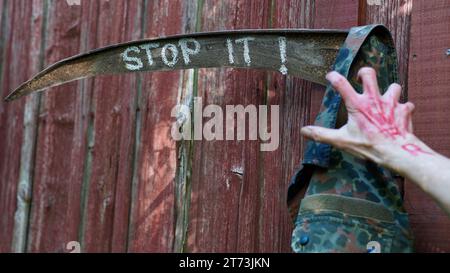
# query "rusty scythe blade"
(308, 54)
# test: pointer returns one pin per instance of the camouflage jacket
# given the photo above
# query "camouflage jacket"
(351, 205)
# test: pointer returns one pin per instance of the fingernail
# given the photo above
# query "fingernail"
(331, 75)
(306, 131)
(410, 106)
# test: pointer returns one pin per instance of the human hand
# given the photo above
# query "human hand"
(378, 125)
(380, 129)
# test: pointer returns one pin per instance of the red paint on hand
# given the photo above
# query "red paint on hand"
(377, 116)
(374, 120)
(413, 149)
(381, 115)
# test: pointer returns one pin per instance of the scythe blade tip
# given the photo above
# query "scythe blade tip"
(10, 97)
(17, 93)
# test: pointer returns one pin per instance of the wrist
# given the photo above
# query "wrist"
(403, 153)
(417, 162)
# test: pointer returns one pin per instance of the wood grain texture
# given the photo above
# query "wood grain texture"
(152, 227)
(3, 8)
(294, 97)
(58, 166)
(112, 138)
(429, 81)
(16, 66)
(30, 122)
(396, 16)
(7, 203)
(95, 162)
(341, 14)
(188, 86)
(225, 180)
(261, 186)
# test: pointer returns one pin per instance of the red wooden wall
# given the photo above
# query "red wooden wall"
(94, 161)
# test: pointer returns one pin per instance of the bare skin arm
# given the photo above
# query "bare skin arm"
(379, 128)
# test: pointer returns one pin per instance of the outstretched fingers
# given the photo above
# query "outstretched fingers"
(341, 84)
(368, 76)
(409, 107)
(393, 93)
(406, 121)
(340, 140)
(324, 135)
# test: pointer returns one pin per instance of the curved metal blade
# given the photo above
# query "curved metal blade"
(308, 54)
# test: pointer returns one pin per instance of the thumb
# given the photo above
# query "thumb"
(321, 134)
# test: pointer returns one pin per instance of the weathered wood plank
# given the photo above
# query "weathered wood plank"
(57, 181)
(4, 10)
(81, 156)
(3, 7)
(429, 81)
(25, 183)
(337, 14)
(112, 137)
(152, 227)
(396, 16)
(6, 223)
(14, 69)
(88, 150)
(341, 14)
(293, 96)
(188, 85)
(225, 181)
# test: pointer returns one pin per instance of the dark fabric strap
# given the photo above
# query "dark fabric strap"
(348, 205)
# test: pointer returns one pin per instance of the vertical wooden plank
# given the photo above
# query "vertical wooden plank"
(57, 180)
(272, 225)
(225, 181)
(152, 223)
(396, 16)
(24, 187)
(187, 88)
(249, 89)
(14, 64)
(4, 10)
(293, 95)
(338, 14)
(113, 108)
(429, 81)
(3, 7)
(81, 155)
(6, 226)
(21, 58)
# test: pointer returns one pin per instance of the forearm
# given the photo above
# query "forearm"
(421, 165)
(379, 128)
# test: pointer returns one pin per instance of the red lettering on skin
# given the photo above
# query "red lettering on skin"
(413, 149)
(384, 122)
